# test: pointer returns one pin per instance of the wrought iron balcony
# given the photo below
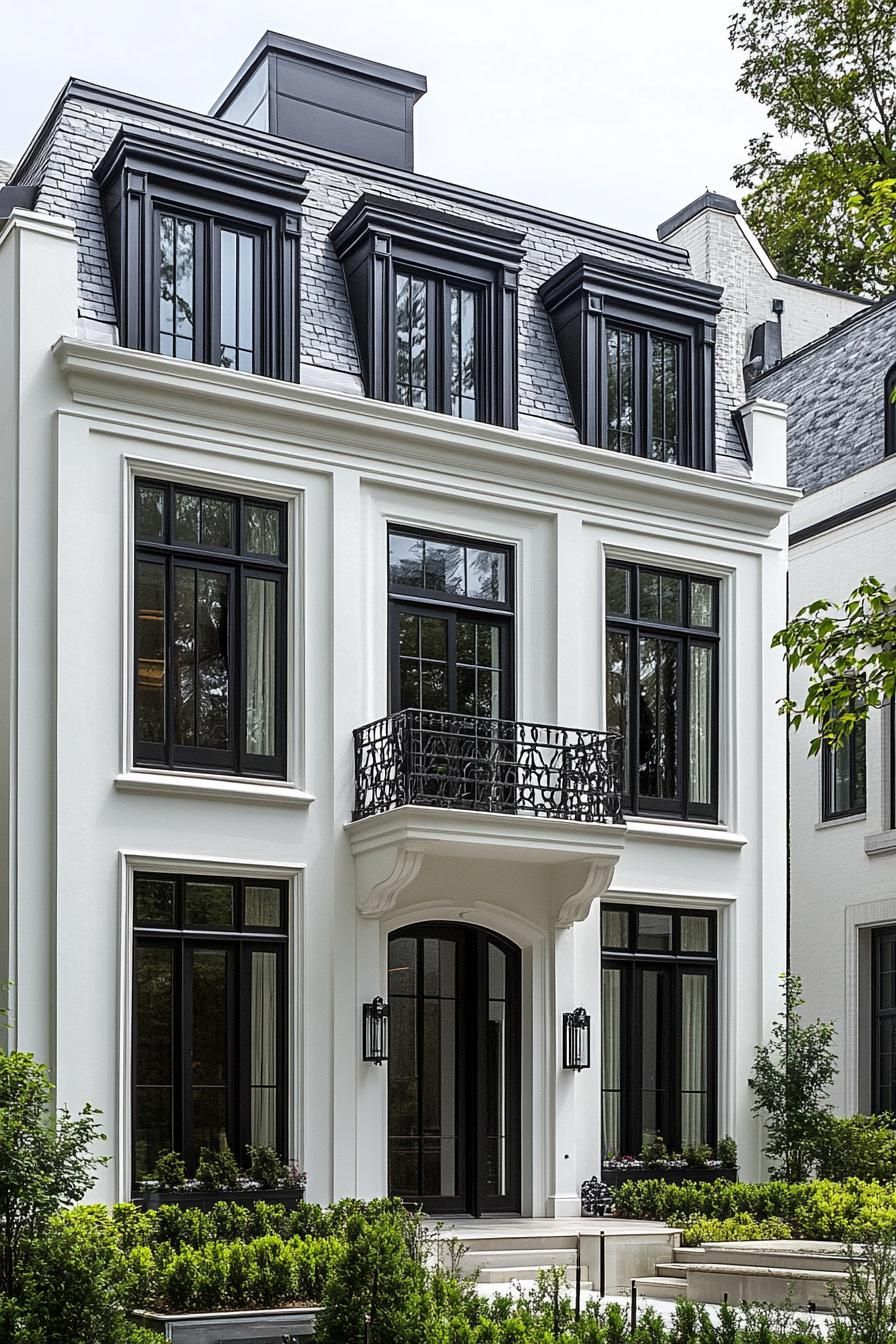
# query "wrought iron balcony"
(432, 759)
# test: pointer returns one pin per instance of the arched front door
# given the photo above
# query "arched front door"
(454, 1069)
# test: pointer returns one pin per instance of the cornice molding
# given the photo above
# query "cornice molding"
(133, 383)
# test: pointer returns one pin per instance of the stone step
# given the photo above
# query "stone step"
(540, 1257)
(801, 1288)
(526, 1274)
(510, 1240)
(662, 1286)
(776, 1255)
(688, 1255)
(672, 1271)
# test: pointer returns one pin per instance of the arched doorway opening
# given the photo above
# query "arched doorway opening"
(454, 1069)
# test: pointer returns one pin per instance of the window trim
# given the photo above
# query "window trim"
(688, 636)
(144, 172)
(632, 957)
(857, 804)
(243, 939)
(379, 236)
(590, 293)
(241, 770)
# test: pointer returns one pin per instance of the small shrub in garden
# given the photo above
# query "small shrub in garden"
(76, 1285)
(218, 1171)
(266, 1168)
(726, 1151)
(46, 1161)
(698, 1155)
(170, 1172)
(863, 1146)
(740, 1227)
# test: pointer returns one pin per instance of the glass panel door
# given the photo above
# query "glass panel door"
(454, 1064)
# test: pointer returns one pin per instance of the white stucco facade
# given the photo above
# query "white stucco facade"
(78, 420)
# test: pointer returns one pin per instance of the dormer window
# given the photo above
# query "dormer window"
(637, 347)
(433, 299)
(204, 244)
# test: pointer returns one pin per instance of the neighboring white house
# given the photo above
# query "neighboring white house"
(297, 440)
(841, 439)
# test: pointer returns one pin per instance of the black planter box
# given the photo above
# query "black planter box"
(616, 1176)
(207, 1199)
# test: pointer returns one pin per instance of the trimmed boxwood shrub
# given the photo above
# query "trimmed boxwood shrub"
(849, 1210)
(741, 1227)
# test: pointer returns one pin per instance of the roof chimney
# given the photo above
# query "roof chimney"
(325, 98)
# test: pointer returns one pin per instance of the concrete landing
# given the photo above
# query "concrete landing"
(512, 1250)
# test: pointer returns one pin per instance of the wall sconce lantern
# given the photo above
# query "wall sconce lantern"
(576, 1040)
(375, 1032)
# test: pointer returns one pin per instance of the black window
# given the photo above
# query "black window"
(224, 327)
(437, 363)
(210, 630)
(658, 1028)
(883, 1026)
(209, 996)
(643, 398)
(890, 412)
(451, 625)
(637, 349)
(843, 775)
(204, 246)
(662, 688)
(433, 299)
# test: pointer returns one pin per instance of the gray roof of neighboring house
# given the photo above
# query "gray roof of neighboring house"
(85, 118)
(5, 170)
(834, 390)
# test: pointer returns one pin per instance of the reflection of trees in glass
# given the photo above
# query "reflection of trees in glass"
(176, 297)
(410, 340)
(658, 726)
(201, 671)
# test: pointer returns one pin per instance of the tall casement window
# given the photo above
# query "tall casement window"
(658, 1028)
(644, 393)
(883, 1025)
(226, 328)
(637, 349)
(209, 1003)
(437, 357)
(204, 249)
(210, 578)
(662, 688)
(843, 776)
(450, 625)
(433, 300)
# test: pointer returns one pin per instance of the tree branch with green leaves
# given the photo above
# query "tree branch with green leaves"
(849, 651)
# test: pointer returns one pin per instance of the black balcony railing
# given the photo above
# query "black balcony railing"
(487, 765)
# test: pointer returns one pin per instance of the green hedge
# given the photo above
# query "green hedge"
(817, 1210)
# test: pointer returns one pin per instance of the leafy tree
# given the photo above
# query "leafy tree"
(825, 73)
(850, 653)
(790, 1080)
(46, 1161)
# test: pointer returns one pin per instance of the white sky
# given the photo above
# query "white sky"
(619, 111)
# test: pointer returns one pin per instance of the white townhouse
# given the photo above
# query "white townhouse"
(842, 453)
(386, 599)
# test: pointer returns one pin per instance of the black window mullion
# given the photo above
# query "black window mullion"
(645, 400)
(242, 1050)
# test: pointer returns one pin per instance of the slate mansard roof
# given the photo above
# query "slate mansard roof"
(85, 118)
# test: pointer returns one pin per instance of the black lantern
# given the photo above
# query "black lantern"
(576, 1040)
(376, 1032)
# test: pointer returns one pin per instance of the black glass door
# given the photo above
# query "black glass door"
(454, 1069)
